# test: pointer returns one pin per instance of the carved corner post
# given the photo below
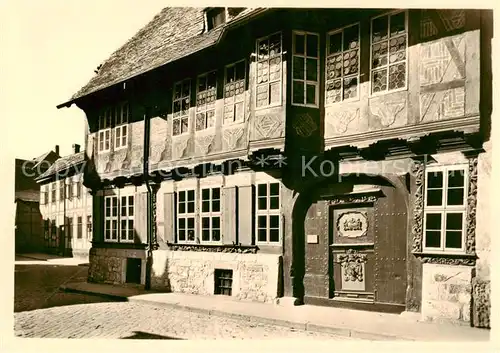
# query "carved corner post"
(470, 240)
(418, 172)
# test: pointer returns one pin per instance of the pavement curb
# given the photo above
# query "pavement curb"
(116, 297)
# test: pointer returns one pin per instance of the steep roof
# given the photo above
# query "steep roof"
(174, 33)
(63, 164)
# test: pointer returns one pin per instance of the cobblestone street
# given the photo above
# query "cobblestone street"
(41, 310)
(134, 320)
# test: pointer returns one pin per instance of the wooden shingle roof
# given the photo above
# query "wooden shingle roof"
(174, 33)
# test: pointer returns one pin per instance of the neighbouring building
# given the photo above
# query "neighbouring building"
(324, 156)
(28, 232)
(66, 207)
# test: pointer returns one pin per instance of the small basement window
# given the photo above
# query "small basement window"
(223, 281)
(216, 17)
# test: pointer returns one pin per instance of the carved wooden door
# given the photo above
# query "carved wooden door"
(352, 252)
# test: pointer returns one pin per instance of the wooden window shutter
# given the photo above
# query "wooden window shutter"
(98, 216)
(229, 215)
(141, 217)
(169, 217)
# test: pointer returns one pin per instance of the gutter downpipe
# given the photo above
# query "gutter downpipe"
(149, 256)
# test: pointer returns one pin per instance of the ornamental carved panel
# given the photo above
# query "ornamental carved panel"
(352, 263)
(442, 105)
(180, 144)
(388, 111)
(304, 125)
(204, 143)
(268, 126)
(340, 122)
(352, 224)
(232, 138)
(450, 19)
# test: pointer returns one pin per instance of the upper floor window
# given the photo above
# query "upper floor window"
(44, 195)
(79, 227)
(61, 190)
(182, 94)
(121, 121)
(269, 71)
(186, 216)
(205, 101)
(119, 226)
(234, 92)
(216, 17)
(389, 44)
(113, 118)
(342, 64)
(268, 213)
(305, 69)
(445, 208)
(69, 189)
(53, 192)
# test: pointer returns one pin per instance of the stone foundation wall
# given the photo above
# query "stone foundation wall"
(255, 276)
(481, 304)
(446, 293)
(110, 265)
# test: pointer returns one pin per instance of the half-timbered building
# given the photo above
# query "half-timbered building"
(321, 156)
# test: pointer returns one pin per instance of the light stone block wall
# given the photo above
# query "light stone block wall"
(255, 276)
(446, 293)
(110, 265)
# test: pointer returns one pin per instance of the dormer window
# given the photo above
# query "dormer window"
(216, 16)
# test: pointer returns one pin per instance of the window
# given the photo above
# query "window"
(210, 215)
(445, 208)
(69, 189)
(223, 281)
(268, 213)
(104, 135)
(79, 188)
(119, 223)
(70, 227)
(305, 69)
(89, 227)
(46, 228)
(53, 192)
(388, 52)
(44, 197)
(342, 64)
(61, 190)
(121, 121)
(205, 101)
(182, 94)
(79, 228)
(216, 17)
(269, 71)
(234, 92)
(186, 216)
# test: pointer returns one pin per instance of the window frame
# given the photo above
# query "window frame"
(268, 83)
(174, 100)
(128, 217)
(445, 209)
(121, 124)
(111, 218)
(205, 109)
(268, 212)
(305, 81)
(186, 215)
(226, 122)
(387, 66)
(104, 127)
(342, 77)
(79, 227)
(53, 192)
(210, 214)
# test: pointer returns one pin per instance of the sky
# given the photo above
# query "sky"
(50, 49)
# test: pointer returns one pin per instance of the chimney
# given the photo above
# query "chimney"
(57, 150)
(76, 148)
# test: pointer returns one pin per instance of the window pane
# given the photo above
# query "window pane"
(453, 239)
(216, 193)
(262, 203)
(205, 222)
(216, 222)
(274, 189)
(434, 197)
(190, 223)
(216, 235)
(182, 223)
(182, 207)
(130, 205)
(275, 203)
(312, 45)
(182, 235)
(205, 194)
(190, 207)
(230, 74)
(455, 197)
(298, 92)
(190, 235)
(131, 229)
(182, 196)
(312, 69)
(433, 239)
(205, 235)
(262, 234)
(262, 189)
(262, 222)
(433, 221)
(190, 195)
(215, 206)
(335, 43)
(434, 179)
(205, 206)
(240, 71)
(379, 29)
(311, 94)
(299, 43)
(454, 221)
(456, 178)
(398, 24)
(274, 221)
(275, 44)
(298, 68)
(351, 37)
(274, 235)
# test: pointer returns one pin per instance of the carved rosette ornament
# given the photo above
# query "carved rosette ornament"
(418, 169)
(470, 241)
(353, 199)
(352, 265)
